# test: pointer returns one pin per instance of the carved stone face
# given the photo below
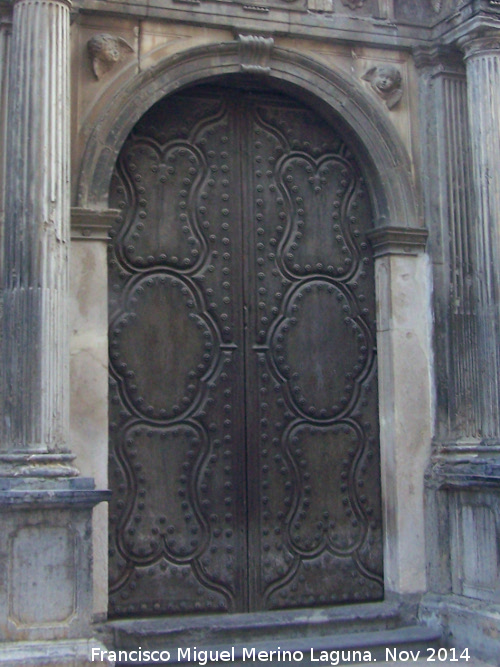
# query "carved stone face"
(110, 52)
(105, 51)
(105, 48)
(386, 79)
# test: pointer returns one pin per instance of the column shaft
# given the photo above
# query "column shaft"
(483, 91)
(448, 199)
(35, 331)
(46, 596)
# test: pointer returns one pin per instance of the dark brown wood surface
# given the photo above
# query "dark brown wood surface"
(244, 454)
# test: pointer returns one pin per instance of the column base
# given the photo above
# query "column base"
(37, 464)
(64, 653)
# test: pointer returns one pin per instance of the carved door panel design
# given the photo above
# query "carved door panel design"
(244, 457)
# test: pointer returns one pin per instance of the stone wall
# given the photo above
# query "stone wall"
(429, 139)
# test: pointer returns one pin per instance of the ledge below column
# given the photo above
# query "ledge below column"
(65, 653)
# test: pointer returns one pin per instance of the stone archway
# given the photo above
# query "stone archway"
(385, 159)
(403, 336)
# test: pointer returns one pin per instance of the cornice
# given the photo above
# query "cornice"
(92, 225)
(287, 20)
(398, 240)
(465, 29)
(439, 59)
(273, 22)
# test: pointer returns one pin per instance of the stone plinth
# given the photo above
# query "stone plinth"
(46, 570)
(45, 558)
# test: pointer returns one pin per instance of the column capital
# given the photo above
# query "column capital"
(480, 42)
(439, 59)
(67, 3)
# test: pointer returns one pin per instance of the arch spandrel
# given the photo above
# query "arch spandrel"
(385, 159)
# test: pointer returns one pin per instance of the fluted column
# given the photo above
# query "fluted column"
(46, 597)
(5, 30)
(35, 331)
(482, 57)
(449, 207)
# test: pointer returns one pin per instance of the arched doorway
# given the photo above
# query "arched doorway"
(244, 455)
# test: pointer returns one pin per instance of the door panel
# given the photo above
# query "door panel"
(243, 402)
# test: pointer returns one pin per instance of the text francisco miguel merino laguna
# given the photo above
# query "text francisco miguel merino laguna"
(250, 654)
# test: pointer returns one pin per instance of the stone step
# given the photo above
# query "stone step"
(406, 644)
(219, 629)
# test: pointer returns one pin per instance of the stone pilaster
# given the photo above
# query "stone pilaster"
(463, 479)
(35, 332)
(448, 206)
(404, 350)
(448, 198)
(482, 58)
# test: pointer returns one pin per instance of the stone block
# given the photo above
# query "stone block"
(475, 539)
(46, 558)
(466, 623)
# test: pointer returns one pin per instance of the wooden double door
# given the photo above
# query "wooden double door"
(244, 454)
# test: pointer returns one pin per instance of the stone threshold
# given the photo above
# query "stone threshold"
(215, 629)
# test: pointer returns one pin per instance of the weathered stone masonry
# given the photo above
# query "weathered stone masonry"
(416, 88)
